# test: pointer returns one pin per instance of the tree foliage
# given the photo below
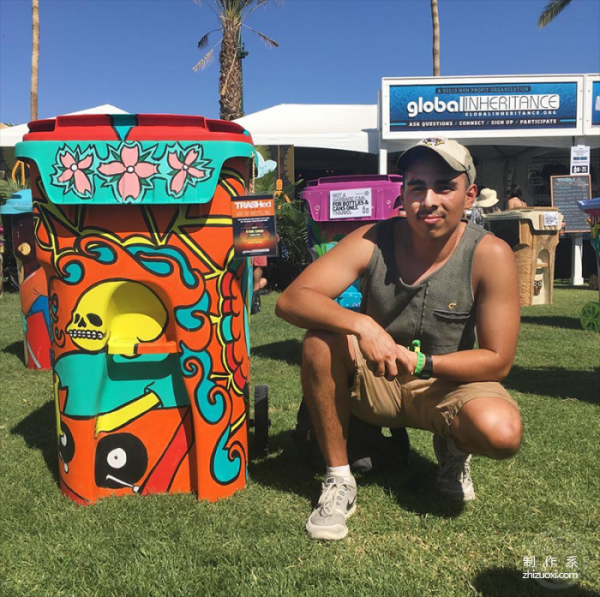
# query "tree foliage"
(552, 10)
(231, 15)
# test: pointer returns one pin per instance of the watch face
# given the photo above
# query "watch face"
(427, 368)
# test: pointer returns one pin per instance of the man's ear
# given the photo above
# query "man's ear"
(471, 196)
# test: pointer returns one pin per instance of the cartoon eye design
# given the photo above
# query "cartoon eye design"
(94, 319)
(117, 458)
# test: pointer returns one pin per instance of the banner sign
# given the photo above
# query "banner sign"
(596, 104)
(592, 123)
(254, 231)
(482, 106)
(350, 203)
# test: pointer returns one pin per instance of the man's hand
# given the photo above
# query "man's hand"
(383, 356)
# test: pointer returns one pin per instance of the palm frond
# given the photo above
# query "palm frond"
(8, 186)
(204, 41)
(271, 43)
(552, 10)
(207, 59)
(257, 5)
(204, 3)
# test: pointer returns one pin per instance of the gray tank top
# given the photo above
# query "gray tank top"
(439, 310)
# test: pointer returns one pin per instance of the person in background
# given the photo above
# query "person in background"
(486, 202)
(514, 197)
(259, 283)
(257, 275)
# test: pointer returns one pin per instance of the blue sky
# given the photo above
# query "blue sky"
(138, 55)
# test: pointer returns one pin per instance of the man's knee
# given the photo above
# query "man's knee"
(503, 431)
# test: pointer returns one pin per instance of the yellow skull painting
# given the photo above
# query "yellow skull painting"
(117, 312)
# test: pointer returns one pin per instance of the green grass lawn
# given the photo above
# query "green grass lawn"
(404, 540)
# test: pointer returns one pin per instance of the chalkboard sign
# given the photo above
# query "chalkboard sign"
(566, 192)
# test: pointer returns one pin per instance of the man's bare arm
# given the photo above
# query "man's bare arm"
(308, 303)
(308, 300)
(498, 318)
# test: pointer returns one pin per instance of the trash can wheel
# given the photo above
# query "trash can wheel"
(261, 421)
(590, 317)
(256, 305)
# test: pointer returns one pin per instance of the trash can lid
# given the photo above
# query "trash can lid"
(135, 127)
(344, 181)
(19, 203)
(535, 215)
(133, 158)
(589, 204)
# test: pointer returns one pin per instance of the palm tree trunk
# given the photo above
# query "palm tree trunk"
(435, 19)
(35, 57)
(230, 79)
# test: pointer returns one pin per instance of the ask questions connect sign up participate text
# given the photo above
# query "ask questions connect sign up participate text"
(467, 107)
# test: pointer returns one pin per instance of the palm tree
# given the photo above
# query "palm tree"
(35, 57)
(552, 10)
(231, 15)
(435, 19)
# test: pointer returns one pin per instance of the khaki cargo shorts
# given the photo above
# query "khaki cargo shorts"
(407, 401)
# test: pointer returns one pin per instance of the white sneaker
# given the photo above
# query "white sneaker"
(454, 478)
(336, 504)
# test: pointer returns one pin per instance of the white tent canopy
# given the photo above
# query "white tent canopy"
(11, 135)
(344, 127)
(354, 128)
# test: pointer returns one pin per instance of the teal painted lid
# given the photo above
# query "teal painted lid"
(19, 203)
(134, 158)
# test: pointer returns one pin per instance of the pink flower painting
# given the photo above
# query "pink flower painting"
(129, 171)
(185, 170)
(74, 172)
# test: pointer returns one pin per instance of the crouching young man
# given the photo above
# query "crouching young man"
(430, 277)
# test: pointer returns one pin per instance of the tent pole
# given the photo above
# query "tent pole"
(383, 155)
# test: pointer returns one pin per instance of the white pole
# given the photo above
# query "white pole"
(577, 246)
(383, 157)
(576, 260)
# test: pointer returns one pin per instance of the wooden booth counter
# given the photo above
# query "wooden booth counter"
(533, 235)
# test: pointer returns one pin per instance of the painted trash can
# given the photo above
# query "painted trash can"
(17, 212)
(590, 314)
(148, 306)
(340, 204)
(533, 235)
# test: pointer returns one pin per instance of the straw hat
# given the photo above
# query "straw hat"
(487, 198)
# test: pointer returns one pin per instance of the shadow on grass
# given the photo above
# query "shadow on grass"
(556, 382)
(288, 351)
(558, 321)
(500, 582)
(414, 489)
(16, 349)
(38, 431)
(285, 469)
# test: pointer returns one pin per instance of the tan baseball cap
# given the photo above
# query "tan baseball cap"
(457, 156)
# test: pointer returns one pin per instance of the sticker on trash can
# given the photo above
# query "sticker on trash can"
(254, 231)
(550, 218)
(350, 203)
